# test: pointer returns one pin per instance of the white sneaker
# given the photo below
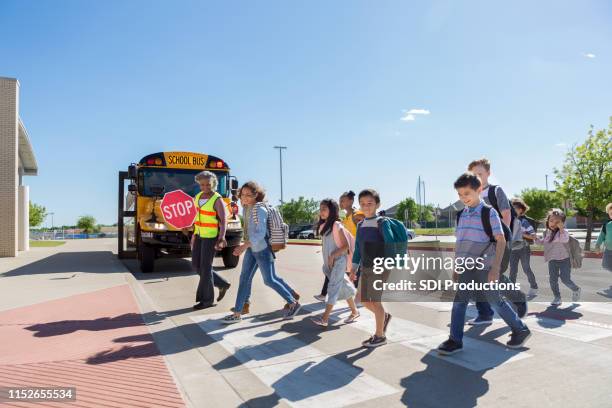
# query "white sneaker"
(320, 298)
(532, 293)
(556, 301)
(576, 295)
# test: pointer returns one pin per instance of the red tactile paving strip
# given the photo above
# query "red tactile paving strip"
(96, 342)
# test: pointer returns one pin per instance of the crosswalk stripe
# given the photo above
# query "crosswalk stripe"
(298, 372)
(477, 354)
(580, 330)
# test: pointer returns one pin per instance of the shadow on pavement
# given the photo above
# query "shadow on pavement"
(443, 384)
(69, 262)
(315, 370)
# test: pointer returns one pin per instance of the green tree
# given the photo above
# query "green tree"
(407, 210)
(87, 223)
(37, 214)
(540, 201)
(586, 176)
(300, 211)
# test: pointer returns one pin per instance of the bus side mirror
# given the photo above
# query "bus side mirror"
(132, 172)
(234, 184)
(132, 188)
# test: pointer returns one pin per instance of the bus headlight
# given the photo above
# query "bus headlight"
(157, 226)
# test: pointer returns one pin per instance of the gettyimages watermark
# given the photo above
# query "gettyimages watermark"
(437, 275)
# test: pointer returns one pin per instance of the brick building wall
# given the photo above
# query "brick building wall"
(9, 161)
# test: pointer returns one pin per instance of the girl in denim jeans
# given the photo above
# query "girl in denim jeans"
(258, 254)
(556, 253)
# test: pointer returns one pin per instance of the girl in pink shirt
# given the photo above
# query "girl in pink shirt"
(556, 253)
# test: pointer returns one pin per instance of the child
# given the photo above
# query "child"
(605, 237)
(336, 243)
(495, 196)
(473, 242)
(350, 223)
(523, 253)
(555, 241)
(372, 233)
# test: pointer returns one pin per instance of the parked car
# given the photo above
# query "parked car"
(411, 234)
(294, 231)
(306, 234)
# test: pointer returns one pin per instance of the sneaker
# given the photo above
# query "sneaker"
(231, 319)
(222, 292)
(532, 292)
(480, 320)
(387, 320)
(576, 295)
(320, 298)
(292, 310)
(518, 338)
(449, 347)
(556, 301)
(375, 341)
(521, 309)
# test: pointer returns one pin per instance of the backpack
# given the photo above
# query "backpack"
(492, 197)
(338, 229)
(399, 240)
(575, 252)
(534, 224)
(485, 215)
(278, 231)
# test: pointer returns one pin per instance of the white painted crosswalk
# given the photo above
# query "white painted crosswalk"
(578, 328)
(477, 355)
(299, 373)
(302, 375)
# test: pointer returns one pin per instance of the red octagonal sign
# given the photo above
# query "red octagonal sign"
(178, 209)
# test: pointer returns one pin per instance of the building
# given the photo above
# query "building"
(16, 160)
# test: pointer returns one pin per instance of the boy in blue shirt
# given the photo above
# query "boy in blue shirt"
(474, 242)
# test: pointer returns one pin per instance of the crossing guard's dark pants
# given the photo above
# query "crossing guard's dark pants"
(202, 260)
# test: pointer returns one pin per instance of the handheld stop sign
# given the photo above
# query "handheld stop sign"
(178, 209)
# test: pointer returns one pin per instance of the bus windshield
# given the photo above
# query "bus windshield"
(175, 179)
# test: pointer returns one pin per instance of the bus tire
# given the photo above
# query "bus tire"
(229, 259)
(147, 258)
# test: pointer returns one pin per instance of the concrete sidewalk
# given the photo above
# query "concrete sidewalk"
(74, 316)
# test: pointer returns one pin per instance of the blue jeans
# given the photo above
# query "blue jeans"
(265, 262)
(462, 298)
(563, 269)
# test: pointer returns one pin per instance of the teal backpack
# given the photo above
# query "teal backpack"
(399, 244)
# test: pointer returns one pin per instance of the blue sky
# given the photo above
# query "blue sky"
(105, 83)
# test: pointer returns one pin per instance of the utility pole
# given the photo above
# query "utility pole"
(546, 182)
(280, 156)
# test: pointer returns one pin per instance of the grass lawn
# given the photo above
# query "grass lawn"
(433, 231)
(46, 243)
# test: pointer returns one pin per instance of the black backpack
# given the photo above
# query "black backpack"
(485, 215)
(493, 202)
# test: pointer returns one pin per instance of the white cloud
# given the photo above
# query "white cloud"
(561, 144)
(418, 112)
(589, 55)
(411, 114)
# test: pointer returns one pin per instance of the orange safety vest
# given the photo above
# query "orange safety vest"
(206, 224)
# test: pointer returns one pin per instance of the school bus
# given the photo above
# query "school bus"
(146, 235)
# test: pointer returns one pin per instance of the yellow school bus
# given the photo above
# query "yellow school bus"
(147, 235)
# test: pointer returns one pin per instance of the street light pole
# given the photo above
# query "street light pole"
(280, 156)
